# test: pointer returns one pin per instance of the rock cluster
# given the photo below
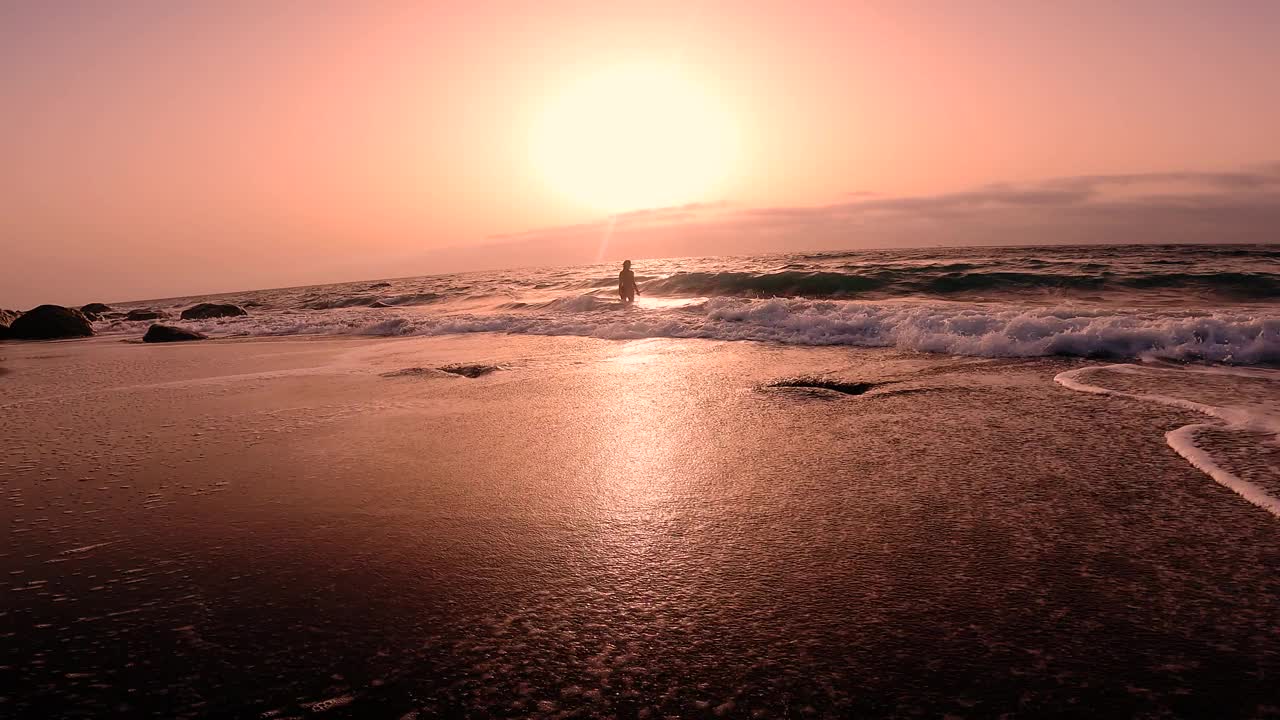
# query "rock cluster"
(52, 322)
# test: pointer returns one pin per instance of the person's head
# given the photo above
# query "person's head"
(626, 264)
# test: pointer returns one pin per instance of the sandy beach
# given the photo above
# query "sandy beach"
(282, 527)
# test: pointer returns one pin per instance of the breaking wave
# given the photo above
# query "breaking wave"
(946, 281)
(1198, 303)
(978, 330)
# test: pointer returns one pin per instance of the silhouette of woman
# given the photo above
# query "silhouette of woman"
(627, 289)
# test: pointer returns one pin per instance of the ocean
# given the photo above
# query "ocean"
(1202, 303)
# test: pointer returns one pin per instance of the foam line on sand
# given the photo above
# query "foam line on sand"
(1182, 440)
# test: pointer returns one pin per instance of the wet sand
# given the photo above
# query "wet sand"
(259, 528)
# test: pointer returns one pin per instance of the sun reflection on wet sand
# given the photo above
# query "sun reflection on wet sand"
(634, 478)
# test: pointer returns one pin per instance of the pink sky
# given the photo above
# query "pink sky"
(159, 148)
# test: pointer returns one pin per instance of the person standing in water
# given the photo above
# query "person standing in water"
(627, 289)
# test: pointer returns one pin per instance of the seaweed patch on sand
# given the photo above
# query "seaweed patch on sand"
(464, 370)
(823, 384)
(470, 371)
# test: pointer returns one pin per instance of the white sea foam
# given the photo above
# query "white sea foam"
(1237, 338)
(1183, 439)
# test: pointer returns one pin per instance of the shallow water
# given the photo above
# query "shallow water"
(643, 529)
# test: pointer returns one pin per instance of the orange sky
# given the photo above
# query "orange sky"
(157, 148)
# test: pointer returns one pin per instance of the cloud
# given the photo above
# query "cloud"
(992, 196)
(1176, 207)
(664, 215)
(1050, 195)
(1266, 176)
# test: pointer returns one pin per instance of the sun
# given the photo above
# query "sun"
(634, 137)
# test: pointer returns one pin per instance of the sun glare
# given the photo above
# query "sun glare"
(634, 137)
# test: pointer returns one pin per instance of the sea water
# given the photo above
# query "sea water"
(1218, 304)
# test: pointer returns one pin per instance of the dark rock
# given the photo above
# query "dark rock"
(114, 316)
(94, 311)
(136, 315)
(471, 371)
(375, 286)
(49, 322)
(204, 311)
(169, 333)
(7, 317)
